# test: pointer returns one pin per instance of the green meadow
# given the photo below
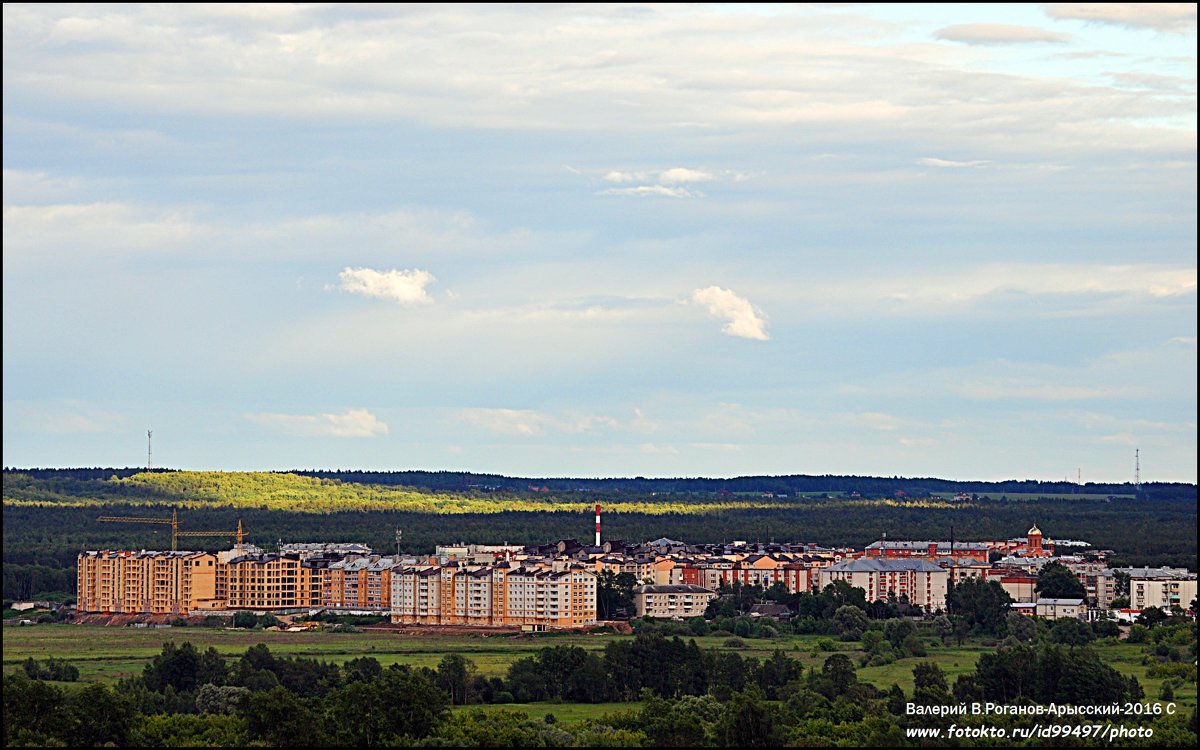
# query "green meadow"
(106, 654)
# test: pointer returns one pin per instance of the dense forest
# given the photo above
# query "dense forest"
(454, 481)
(50, 515)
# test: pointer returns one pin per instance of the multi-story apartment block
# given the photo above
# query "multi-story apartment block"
(270, 581)
(677, 600)
(501, 594)
(923, 583)
(1160, 587)
(145, 582)
(901, 550)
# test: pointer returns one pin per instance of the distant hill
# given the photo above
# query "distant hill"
(49, 515)
(866, 486)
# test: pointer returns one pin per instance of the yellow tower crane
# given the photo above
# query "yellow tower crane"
(237, 534)
(173, 522)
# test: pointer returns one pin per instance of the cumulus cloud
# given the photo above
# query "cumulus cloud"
(1172, 18)
(665, 182)
(352, 424)
(744, 320)
(998, 33)
(406, 287)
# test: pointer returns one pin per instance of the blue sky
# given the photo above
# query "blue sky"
(953, 241)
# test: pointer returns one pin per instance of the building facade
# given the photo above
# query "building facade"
(921, 582)
(504, 594)
(145, 582)
(672, 600)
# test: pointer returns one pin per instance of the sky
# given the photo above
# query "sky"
(951, 241)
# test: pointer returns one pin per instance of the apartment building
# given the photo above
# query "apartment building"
(927, 550)
(145, 582)
(1160, 587)
(922, 582)
(270, 581)
(549, 595)
(679, 600)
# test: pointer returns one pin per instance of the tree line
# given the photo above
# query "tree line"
(689, 697)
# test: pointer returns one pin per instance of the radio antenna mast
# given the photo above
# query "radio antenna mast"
(149, 453)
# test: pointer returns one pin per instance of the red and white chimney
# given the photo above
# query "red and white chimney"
(597, 525)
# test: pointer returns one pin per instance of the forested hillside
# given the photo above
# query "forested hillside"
(49, 516)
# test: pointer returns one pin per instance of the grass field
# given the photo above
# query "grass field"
(106, 654)
(564, 713)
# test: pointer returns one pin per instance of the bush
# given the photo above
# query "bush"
(912, 644)
(1181, 670)
(54, 669)
(734, 643)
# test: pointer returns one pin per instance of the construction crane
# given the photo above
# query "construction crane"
(238, 534)
(173, 522)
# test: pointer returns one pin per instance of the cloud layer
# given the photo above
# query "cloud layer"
(354, 423)
(998, 33)
(1171, 18)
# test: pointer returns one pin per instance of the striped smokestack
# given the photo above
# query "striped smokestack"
(597, 525)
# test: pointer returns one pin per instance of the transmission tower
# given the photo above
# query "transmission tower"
(1137, 469)
(149, 453)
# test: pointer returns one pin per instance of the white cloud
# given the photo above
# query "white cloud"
(619, 176)
(998, 33)
(645, 190)
(1172, 18)
(66, 233)
(406, 287)
(26, 186)
(1081, 287)
(744, 320)
(931, 161)
(529, 423)
(683, 174)
(667, 182)
(354, 423)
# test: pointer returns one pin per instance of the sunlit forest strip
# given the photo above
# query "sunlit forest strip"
(299, 494)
